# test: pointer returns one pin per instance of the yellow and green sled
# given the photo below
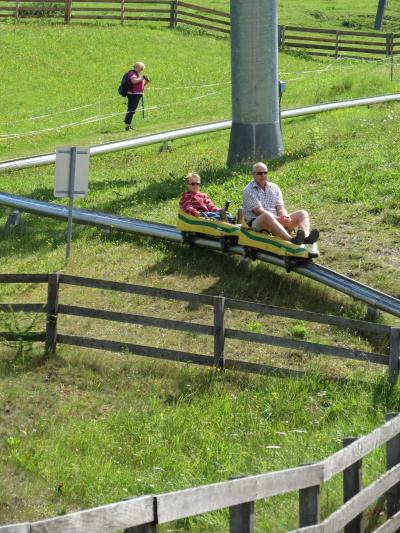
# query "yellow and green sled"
(207, 226)
(266, 242)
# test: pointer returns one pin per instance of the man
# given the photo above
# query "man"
(264, 209)
(135, 91)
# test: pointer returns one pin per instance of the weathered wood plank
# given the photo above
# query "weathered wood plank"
(112, 9)
(308, 316)
(307, 346)
(354, 452)
(26, 308)
(111, 517)
(136, 349)
(337, 520)
(328, 31)
(136, 289)
(306, 38)
(32, 336)
(198, 500)
(135, 319)
(23, 278)
(16, 528)
(392, 525)
(150, 19)
(341, 48)
(199, 25)
(205, 9)
(202, 17)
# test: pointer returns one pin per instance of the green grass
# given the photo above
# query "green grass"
(110, 426)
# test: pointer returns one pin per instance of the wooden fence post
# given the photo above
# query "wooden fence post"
(309, 505)
(17, 9)
(394, 354)
(282, 38)
(337, 45)
(67, 11)
(352, 486)
(52, 312)
(392, 459)
(219, 332)
(122, 11)
(173, 13)
(241, 517)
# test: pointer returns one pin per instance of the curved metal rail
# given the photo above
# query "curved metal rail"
(313, 271)
(166, 136)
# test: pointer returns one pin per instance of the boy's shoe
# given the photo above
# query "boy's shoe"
(299, 238)
(313, 237)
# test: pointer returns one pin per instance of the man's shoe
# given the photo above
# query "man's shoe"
(313, 237)
(128, 127)
(222, 215)
(299, 237)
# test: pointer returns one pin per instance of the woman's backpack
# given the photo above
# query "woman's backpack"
(124, 85)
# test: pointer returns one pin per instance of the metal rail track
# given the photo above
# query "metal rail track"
(314, 271)
(166, 136)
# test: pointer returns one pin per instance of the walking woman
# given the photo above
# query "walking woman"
(135, 92)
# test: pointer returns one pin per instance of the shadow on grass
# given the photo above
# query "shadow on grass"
(263, 283)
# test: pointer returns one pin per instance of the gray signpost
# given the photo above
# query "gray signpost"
(71, 179)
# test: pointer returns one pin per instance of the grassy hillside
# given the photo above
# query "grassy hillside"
(106, 426)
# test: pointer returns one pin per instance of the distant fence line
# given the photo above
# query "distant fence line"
(315, 41)
(53, 308)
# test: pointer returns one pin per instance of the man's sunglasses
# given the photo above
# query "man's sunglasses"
(194, 183)
(261, 173)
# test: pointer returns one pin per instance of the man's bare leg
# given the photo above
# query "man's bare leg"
(300, 219)
(269, 222)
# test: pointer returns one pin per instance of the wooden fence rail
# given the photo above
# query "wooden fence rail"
(53, 309)
(142, 514)
(316, 41)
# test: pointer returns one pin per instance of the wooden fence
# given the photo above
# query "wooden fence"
(321, 42)
(54, 308)
(338, 43)
(142, 514)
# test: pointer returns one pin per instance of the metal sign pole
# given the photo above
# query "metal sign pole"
(71, 188)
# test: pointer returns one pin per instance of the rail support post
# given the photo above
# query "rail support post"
(394, 354)
(309, 505)
(219, 332)
(52, 312)
(352, 486)
(392, 459)
(13, 220)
